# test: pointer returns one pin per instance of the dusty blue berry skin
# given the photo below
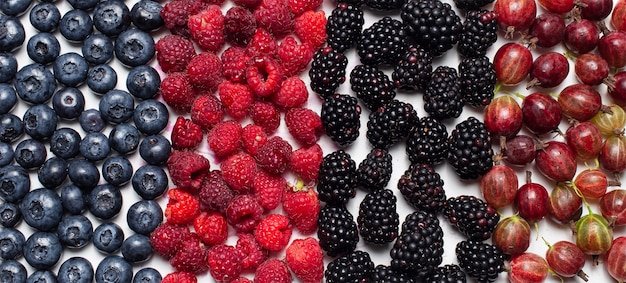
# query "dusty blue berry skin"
(68, 103)
(53, 172)
(15, 183)
(42, 209)
(101, 78)
(146, 15)
(95, 146)
(45, 17)
(10, 214)
(40, 121)
(6, 154)
(136, 248)
(65, 143)
(12, 34)
(117, 170)
(42, 276)
(13, 271)
(150, 116)
(144, 216)
(8, 98)
(97, 49)
(134, 47)
(143, 81)
(8, 67)
(116, 106)
(43, 48)
(105, 201)
(111, 17)
(42, 250)
(76, 25)
(114, 266)
(30, 153)
(11, 243)
(124, 138)
(73, 199)
(149, 181)
(83, 4)
(91, 121)
(34, 83)
(83, 173)
(70, 69)
(14, 7)
(11, 128)
(75, 270)
(155, 149)
(108, 237)
(147, 275)
(75, 231)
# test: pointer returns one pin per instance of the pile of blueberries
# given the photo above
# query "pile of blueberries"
(45, 141)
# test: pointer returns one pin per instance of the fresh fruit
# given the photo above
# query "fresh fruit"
(512, 235)
(581, 36)
(595, 10)
(549, 70)
(520, 150)
(585, 140)
(618, 17)
(512, 63)
(499, 186)
(548, 29)
(564, 203)
(612, 157)
(542, 113)
(566, 259)
(527, 268)
(580, 101)
(612, 48)
(614, 259)
(559, 7)
(618, 92)
(592, 183)
(591, 69)
(472, 216)
(612, 206)
(503, 116)
(556, 161)
(515, 15)
(593, 234)
(531, 200)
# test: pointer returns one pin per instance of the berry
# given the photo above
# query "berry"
(266, 115)
(224, 262)
(446, 273)
(42, 250)
(177, 91)
(378, 218)
(475, 218)
(192, 256)
(215, 193)
(442, 97)
(305, 162)
(244, 213)
(13, 241)
(390, 123)
(34, 83)
(263, 44)
(352, 267)
(207, 28)
(371, 86)
(310, 27)
(43, 48)
(422, 187)
(293, 93)
(176, 14)
(305, 259)
(418, 250)
(252, 138)
(147, 274)
(76, 25)
(337, 231)
(297, 7)
(344, 26)
(45, 17)
(173, 52)
(99, 48)
(264, 76)
(182, 207)
(68, 103)
(272, 271)
(253, 253)
(477, 80)
(275, 17)
(340, 116)
(74, 266)
(383, 42)
(83, 173)
(111, 18)
(211, 227)
(149, 181)
(470, 149)
(433, 24)
(274, 155)
(225, 138)
(238, 172)
(471, 4)
(134, 47)
(166, 239)
(328, 71)
(105, 201)
(205, 71)
(144, 216)
(42, 209)
(374, 172)
(384, 274)
(480, 260)
(241, 279)
(337, 178)
(14, 270)
(236, 98)
(187, 169)
(234, 62)
(146, 16)
(293, 56)
(273, 232)
(428, 142)
(155, 149)
(302, 206)
(269, 189)
(239, 26)
(186, 134)
(180, 277)
(479, 33)
(206, 111)
(117, 106)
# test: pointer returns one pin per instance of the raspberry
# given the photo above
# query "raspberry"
(211, 227)
(275, 17)
(241, 280)
(273, 232)
(305, 162)
(301, 205)
(243, 213)
(310, 27)
(207, 28)
(304, 125)
(263, 43)
(224, 263)
(253, 254)
(264, 76)
(234, 63)
(265, 115)
(268, 189)
(225, 138)
(185, 134)
(252, 137)
(294, 56)
(167, 238)
(177, 92)
(187, 169)
(175, 15)
(236, 98)
(239, 26)
(205, 71)
(292, 93)
(273, 156)
(239, 171)
(215, 193)
(191, 257)
(206, 111)
(182, 207)
(306, 259)
(173, 52)
(213, 2)
(297, 7)
(180, 276)
(250, 4)
(272, 271)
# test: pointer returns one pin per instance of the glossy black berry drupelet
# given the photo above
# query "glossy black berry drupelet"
(428, 142)
(328, 71)
(414, 69)
(480, 260)
(434, 25)
(384, 274)
(479, 33)
(372, 86)
(390, 123)
(477, 79)
(471, 4)
(448, 273)
(383, 42)
(354, 267)
(443, 98)
(422, 187)
(340, 116)
(344, 26)
(337, 231)
(384, 5)
(374, 172)
(470, 152)
(337, 178)
(378, 218)
(472, 216)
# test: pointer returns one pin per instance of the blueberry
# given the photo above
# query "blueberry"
(134, 47)
(45, 17)
(76, 25)
(53, 172)
(34, 83)
(65, 143)
(68, 103)
(6, 154)
(114, 269)
(73, 199)
(8, 98)
(147, 275)
(105, 201)
(75, 231)
(116, 106)
(42, 209)
(83, 173)
(42, 276)
(155, 149)
(43, 48)
(108, 237)
(117, 170)
(40, 121)
(97, 49)
(30, 153)
(11, 128)
(14, 7)
(143, 81)
(12, 34)
(10, 214)
(144, 216)
(95, 146)
(149, 181)
(75, 270)
(42, 250)
(150, 116)
(91, 121)
(12, 271)
(8, 67)
(11, 243)
(111, 17)
(101, 78)
(14, 183)
(70, 69)
(83, 4)
(146, 15)
(124, 138)
(137, 248)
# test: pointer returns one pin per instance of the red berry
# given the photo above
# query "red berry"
(225, 138)
(191, 257)
(244, 213)
(180, 276)
(297, 7)
(182, 207)
(310, 27)
(241, 280)
(234, 63)
(237, 98)
(515, 16)
(512, 63)
(215, 193)
(294, 57)
(275, 17)
(615, 258)
(253, 254)
(305, 162)
(265, 76)
(177, 92)
(224, 263)
(274, 155)
(167, 238)
(252, 137)
(269, 189)
(211, 227)
(239, 171)
(265, 115)
(206, 111)
(173, 52)
(302, 206)
(306, 260)
(205, 71)
(304, 125)
(250, 4)
(239, 26)
(187, 170)
(186, 134)
(207, 28)
(272, 271)
(292, 93)
(175, 15)
(263, 43)
(273, 232)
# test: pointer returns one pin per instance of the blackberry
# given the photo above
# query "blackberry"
(434, 25)
(443, 98)
(470, 149)
(479, 33)
(428, 142)
(328, 71)
(384, 5)
(372, 86)
(354, 267)
(471, 4)
(477, 79)
(414, 69)
(384, 274)
(374, 172)
(337, 178)
(449, 273)
(340, 118)
(422, 187)
(378, 218)
(480, 260)
(383, 42)
(475, 218)
(344, 26)
(336, 230)
(390, 123)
